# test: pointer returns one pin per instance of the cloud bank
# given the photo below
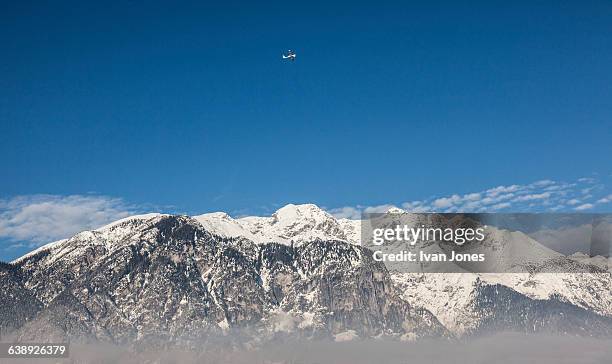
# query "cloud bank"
(33, 220)
(582, 195)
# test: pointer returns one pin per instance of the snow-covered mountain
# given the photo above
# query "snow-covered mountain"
(290, 224)
(452, 296)
(164, 278)
(298, 272)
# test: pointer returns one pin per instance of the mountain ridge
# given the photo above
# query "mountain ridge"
(97, 281)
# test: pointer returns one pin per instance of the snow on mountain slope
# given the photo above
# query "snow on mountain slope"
(113, 231)
(508, 250)
(292, 223)
(598, 261)
(352, 229)
(453, 297)
(448, 296)
(222, 224)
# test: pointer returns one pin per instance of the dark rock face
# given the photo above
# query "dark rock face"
(503, 309)
(17, 304)
(166, 279)
(357, 290)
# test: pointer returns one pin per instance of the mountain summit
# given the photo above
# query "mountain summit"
(289, 224)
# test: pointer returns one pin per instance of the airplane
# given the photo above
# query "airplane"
(290, 55)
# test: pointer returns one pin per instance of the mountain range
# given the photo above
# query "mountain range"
(181, 280)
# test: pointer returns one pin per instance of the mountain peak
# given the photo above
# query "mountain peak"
(292, 223)
(292, 212)
(395, 210)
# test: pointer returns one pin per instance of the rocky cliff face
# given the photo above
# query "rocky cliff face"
(167, 279)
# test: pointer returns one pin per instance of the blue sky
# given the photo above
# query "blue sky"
(188, 107)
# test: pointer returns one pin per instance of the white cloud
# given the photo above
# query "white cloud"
(535, 196)
(585, 206)
(606, 199)
(543, 183)
(502, 189)
(497, 198)
(412, 205)
(347, 212)
(447, 201)
(40, 219)
(416, 206)
(543, 195)
(500, 206)
(472, 196)
(588, 190)
(587, 180)
(379, 209)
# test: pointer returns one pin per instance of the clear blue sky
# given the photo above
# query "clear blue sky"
(190, 105)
